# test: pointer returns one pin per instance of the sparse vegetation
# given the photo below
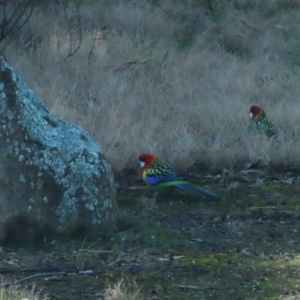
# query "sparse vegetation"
(122, 292)
(243, 248)
(119, 291)
(14, 292)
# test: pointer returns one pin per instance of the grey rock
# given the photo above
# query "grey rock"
(53, 176)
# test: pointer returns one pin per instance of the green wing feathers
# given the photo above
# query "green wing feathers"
(262, 125)
(189, 187)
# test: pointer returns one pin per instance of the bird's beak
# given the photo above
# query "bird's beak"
(142, 163)
(251, 115)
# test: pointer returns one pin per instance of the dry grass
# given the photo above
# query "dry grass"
(121, 291)
(174, 82)
(15, 293)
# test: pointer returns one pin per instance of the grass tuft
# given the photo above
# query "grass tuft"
(123, 291)
(14, 292)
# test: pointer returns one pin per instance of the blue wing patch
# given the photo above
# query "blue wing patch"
(155, 179)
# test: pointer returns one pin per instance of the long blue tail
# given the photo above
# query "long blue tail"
(197, 190)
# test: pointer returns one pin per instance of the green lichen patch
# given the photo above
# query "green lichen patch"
(53, 173)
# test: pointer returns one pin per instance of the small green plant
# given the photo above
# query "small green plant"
(84, 249)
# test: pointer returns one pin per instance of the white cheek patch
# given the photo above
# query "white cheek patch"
(251, 115)
(142, 163)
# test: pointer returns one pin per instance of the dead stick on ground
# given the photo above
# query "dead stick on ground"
(196, 287)
(35, 276)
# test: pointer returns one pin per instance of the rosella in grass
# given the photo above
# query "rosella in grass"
(160, 176)
(259, 122)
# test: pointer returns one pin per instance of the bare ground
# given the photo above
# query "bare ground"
(243, 247)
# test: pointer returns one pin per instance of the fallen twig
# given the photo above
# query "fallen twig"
(197, 287)
(34, 276)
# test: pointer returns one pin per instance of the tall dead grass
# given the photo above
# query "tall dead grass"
(14, 292)
(172, 81)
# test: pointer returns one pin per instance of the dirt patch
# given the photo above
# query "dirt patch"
(177, 247)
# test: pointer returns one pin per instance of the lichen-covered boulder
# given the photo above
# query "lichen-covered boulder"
(53, 176)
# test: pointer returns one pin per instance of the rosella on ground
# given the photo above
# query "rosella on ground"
(259, 122)
(160, 176)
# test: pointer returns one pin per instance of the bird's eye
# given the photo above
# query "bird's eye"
(142, 163)
(251, 115)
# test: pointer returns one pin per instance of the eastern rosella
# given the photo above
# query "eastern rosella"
(161, 176)
(259, 122)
